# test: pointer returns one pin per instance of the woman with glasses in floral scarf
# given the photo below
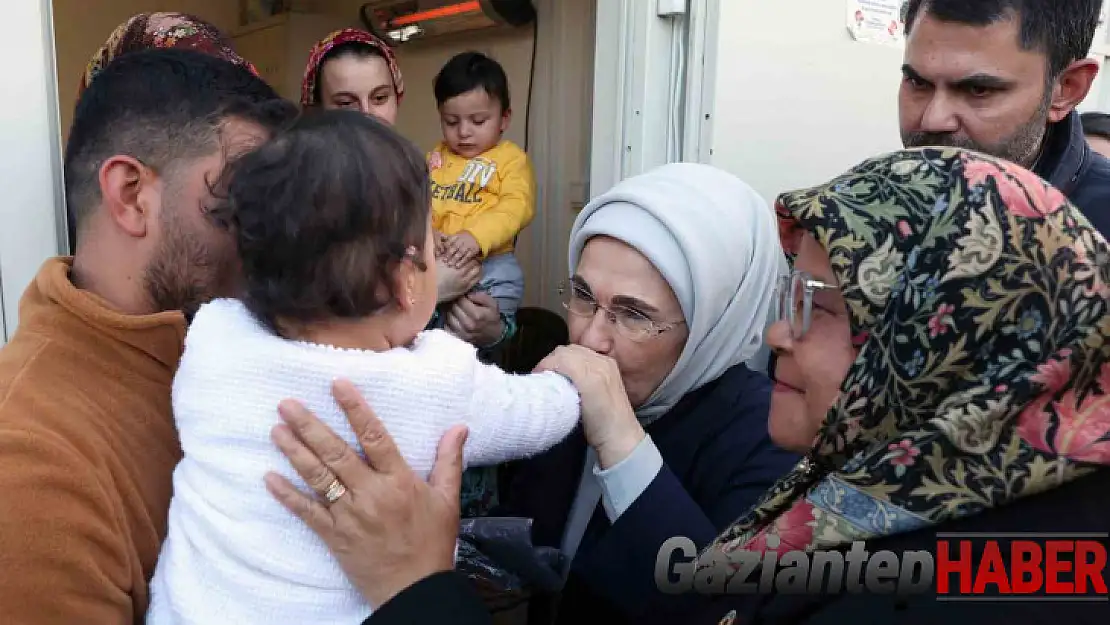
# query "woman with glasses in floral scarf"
(942, 359)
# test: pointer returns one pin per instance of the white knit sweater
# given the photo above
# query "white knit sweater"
(233, 554)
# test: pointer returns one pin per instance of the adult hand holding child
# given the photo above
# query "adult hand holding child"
(475, 318)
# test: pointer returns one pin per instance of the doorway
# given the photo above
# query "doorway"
(549, 63)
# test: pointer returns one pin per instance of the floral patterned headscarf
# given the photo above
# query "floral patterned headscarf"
(338, 38)
(162, 30)
(978, 300)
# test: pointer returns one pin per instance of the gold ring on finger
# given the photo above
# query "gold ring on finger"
(335, 490)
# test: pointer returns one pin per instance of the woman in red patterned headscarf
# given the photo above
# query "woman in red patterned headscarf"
(353, 69)
(162, 30)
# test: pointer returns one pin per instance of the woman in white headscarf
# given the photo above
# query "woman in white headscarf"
(672, 278)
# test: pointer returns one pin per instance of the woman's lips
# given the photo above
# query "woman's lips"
(785, 388)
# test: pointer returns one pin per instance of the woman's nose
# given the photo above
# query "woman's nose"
(598, 334)
(779, 338)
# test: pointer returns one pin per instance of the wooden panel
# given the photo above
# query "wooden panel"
(305, 29)
(81, 27)
(266, 48)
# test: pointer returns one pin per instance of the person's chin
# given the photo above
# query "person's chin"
(786, 423)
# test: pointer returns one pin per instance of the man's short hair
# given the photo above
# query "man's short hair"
(1096, 125)
(162, 107)
(468, 71)
(1062, 29)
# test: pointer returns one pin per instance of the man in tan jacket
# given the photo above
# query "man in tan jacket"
(87, 438)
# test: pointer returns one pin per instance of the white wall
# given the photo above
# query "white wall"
(30, 163)
(1099, 98)
(797, 100)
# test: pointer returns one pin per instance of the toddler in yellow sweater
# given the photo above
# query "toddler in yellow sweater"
(483, 189)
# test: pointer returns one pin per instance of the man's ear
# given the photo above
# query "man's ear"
(1071, 88)
(122, 183)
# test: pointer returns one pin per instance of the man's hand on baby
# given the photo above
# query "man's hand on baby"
(461, 248)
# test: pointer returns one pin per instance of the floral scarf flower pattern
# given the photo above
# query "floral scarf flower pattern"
(340, 37)
(162, 30)
(980, 304)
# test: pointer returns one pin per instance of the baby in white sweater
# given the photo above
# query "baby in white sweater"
(332, 225)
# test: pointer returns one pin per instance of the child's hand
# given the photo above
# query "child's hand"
(441, 243)
(461, 248)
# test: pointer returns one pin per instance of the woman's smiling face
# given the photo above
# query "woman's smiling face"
(809, 366)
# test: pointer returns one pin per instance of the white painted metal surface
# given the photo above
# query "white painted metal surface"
(641, 90)
(31, 224)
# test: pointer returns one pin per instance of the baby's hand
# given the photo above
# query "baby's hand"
(440, 242)
(461, 248)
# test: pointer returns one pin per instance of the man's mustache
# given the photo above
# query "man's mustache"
(938, 139)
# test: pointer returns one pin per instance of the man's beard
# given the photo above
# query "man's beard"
(184, 273)
(1022, 147)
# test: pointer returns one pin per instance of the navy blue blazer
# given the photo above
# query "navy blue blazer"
(718, 460)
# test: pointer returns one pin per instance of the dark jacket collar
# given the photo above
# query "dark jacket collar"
(1066, 155)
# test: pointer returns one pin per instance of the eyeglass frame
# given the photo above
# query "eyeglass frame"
(810, 286)
(656, 327)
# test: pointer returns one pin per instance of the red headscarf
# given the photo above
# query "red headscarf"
(340, 37)
(162, 30)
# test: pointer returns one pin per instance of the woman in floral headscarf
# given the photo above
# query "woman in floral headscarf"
(162, 30)
(353, 69)
(943, 359)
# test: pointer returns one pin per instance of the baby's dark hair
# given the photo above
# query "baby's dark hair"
(469, 71)
(357, 49)
(322, 216)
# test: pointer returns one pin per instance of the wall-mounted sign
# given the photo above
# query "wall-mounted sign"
(876, 21)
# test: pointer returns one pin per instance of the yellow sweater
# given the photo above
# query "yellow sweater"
(492, 196)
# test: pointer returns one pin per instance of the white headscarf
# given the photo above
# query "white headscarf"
(716, 243)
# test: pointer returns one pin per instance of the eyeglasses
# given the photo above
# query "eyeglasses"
(794, 297)
(631, 324)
